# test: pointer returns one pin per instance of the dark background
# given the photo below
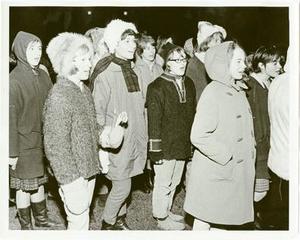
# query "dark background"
(251, 26)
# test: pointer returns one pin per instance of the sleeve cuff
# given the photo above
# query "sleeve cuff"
(261, 185)
(155, 145)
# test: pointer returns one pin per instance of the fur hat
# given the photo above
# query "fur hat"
(206, 29)
(113, 32)
(96, 35)
(62, 48)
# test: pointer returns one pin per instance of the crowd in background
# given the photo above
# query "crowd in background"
(124, 104)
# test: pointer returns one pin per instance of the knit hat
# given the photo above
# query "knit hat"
(62, 49)
(113, 32)
(166, 50)
(206, 29)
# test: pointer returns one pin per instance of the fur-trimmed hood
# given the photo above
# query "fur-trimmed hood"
(62, 48)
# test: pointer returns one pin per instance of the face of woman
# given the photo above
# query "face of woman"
(237, 64)
(177, 63)
(272, 69)
(34, 53)
(82, 62)
(149, 53)
(126, 48)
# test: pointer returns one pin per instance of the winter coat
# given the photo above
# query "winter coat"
(28, 89)
(220, 187)
(71, 132)
(146, 75)
(111, 98)
(258, 100)
(279, 106)
(170, 118)
(196, 71)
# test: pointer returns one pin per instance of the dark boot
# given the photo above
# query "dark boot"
(40, 215)
(148, 181)
(121, 223)
(107, 226)
(24, 215)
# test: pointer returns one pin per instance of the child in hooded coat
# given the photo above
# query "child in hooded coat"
(220, 188)
(28, 89)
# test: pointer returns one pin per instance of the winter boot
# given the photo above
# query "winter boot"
(40, 215)
(24, 215)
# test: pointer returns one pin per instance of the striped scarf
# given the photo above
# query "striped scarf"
(130, 77)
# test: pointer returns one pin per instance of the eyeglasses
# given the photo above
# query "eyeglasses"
(181, 60)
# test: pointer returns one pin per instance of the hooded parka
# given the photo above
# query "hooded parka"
(28, 89)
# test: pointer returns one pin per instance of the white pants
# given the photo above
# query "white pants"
(77, 198)
(167, 178)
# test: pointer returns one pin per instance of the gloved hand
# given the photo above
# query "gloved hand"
(13, 162)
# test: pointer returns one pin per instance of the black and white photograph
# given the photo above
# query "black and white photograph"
(150, 119)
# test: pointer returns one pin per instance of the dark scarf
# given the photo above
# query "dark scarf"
(130, 77)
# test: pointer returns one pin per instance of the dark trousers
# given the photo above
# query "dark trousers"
(275, 206)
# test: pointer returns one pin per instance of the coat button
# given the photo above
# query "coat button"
(239, 116)
(229, 93)
(240, 160)
(240, 139)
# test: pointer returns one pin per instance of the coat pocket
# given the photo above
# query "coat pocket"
(222, 172)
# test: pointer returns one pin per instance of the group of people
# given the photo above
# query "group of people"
(123, 104)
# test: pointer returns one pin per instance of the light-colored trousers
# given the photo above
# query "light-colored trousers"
(116, 201)
(77, 197)
(167, 178)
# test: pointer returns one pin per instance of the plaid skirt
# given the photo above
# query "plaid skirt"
(27, 184)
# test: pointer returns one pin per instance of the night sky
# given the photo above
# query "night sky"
(250, 26)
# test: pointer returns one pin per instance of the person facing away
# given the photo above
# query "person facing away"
(171, 107)
(278, 159)
(28, 89)
(220, 187)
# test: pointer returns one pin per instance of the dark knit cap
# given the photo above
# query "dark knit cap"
(166, 50)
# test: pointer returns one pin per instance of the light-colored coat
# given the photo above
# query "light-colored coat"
(220, 188)
(111, 98)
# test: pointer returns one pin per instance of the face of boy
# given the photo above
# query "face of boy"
(82, 62)
(237, 65)
(126, 48)
(149, 52)
(272, 69)
(34, 53)
(177, 64)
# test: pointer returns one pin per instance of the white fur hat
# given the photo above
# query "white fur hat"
(206, 29)
(62, 48)
(113, 32)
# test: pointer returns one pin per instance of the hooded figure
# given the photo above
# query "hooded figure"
(28, 89)
(220, 188)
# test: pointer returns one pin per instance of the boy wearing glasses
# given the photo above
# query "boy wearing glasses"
(171, 107)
